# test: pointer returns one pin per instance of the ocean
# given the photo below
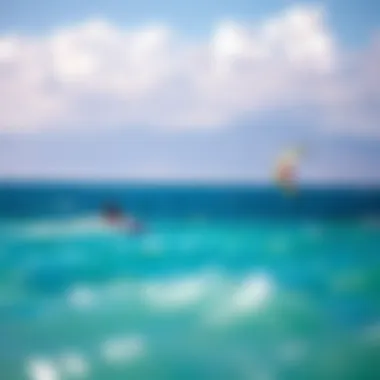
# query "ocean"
(225, 283)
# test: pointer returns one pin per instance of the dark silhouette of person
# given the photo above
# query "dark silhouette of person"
(114, 215)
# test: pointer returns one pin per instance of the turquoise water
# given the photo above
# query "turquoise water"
(204, 293)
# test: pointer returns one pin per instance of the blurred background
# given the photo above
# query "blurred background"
(189, 191)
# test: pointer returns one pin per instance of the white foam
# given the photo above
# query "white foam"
(104, 297)
(52, 228)
(211, 290)
(123, 349)
(74, 364)
(42, 369)
(176, 293)
(81, 297)
(251, 296)
(253, 293)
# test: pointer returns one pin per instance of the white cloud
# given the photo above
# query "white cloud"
(98, 75)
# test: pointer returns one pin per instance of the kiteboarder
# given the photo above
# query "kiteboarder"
(285, 173)
(114, 216)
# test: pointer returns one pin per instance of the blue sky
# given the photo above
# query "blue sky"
(353, 21)
(196, 91)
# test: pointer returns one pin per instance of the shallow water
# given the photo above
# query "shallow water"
(194, 297)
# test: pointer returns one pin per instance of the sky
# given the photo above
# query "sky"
(172, 90)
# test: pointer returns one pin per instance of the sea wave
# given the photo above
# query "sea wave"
(216, 296)
(250, 295)
(75, 363)
(55, 228)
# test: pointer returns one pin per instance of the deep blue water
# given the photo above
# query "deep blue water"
(226, 282)
(34, 199)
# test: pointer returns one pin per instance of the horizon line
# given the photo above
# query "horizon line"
(185, 182)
